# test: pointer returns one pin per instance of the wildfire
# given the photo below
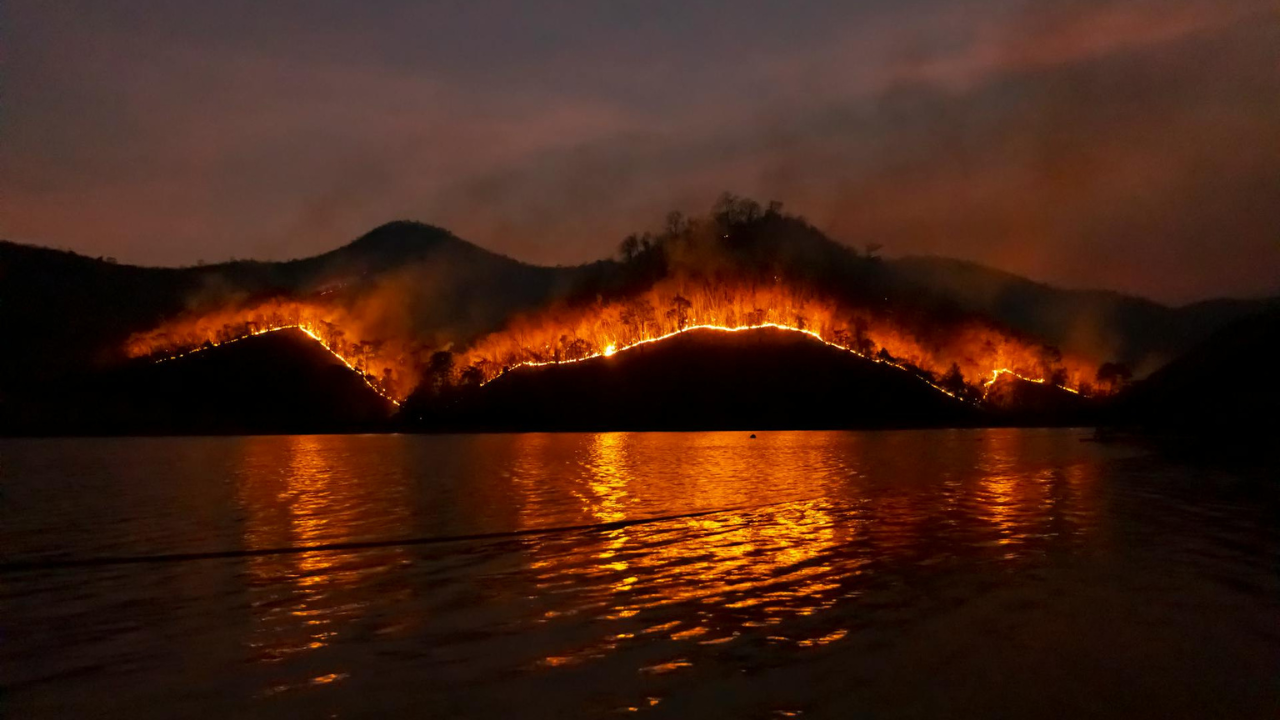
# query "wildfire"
(941, 356)
(963, 360)
(742, 267)
(190, 335)
(995, 375)
(310, 333)
(612, 350)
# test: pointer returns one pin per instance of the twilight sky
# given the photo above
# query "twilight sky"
(1123, 144)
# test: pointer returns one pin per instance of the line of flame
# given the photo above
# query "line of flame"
(612, 350)
(995, 375)
(310, 333)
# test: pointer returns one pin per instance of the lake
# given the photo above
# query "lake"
(961, 573)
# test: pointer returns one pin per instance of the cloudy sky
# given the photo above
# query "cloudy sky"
(1123, 144)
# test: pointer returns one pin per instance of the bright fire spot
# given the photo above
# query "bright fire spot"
(610, 350)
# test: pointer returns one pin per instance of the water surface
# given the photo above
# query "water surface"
(999, 573)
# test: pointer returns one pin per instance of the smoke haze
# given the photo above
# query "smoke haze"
(1122, 144)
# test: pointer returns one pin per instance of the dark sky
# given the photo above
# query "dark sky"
(1124, 144)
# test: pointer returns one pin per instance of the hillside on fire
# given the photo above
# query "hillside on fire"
(69, 314)
(756, 379)
(279, 382)
(418, 316)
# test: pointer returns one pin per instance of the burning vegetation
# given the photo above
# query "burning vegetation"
(388, 366)
(744, 266)
(959, 361)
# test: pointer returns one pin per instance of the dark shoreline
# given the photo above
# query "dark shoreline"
(1102, 431)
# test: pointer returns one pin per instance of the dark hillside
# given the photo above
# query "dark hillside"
(64, 313)
(278, 382)
(1122, 328)
(703, 379)
(1225, 384)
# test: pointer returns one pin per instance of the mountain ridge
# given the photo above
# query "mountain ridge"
(383, 240)
(700, 379)
(1138, 331)
(71, 310)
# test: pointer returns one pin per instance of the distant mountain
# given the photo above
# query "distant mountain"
(449, 288)
(1141, 333)
(66, 315)
(702, 379)
(1226, 383)
(278, 382)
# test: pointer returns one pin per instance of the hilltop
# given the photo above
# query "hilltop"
(68, 313)
(274, 383)
(701, 379)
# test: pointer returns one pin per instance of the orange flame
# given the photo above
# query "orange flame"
(388, 368)
(566, 334)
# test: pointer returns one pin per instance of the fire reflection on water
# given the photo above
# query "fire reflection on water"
(850, 572)
(302, 491)
(803, 524)
(695, 578)
(606, 501)
(768, 571)
(1024, 505)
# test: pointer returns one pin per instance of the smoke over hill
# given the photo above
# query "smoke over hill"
(412, 308)
(765, 378)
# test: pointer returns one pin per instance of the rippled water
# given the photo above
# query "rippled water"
(997, 573)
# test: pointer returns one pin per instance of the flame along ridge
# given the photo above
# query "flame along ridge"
(995, 375)
(309, 333)
(612, 350)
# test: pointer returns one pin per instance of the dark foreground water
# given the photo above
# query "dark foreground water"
(998, 573)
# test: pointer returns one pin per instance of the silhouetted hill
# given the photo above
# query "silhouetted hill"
(1018, 401)
(1226, 384)
(754, 379)
(394, 244)
(448, 288)
(63, 313)
(278, 382)
(1123, 328)
(431, 255)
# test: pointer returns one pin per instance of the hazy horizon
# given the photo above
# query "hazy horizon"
(612, 254)
(1123, 145)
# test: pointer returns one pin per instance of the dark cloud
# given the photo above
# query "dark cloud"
(1116, 143)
